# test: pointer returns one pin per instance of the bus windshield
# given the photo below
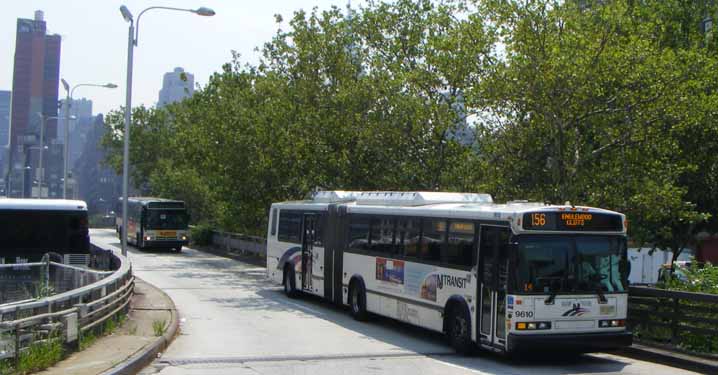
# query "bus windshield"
(166, 219)
(571, 264)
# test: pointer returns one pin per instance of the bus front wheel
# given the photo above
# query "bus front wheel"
(459, 330)
(289, 282)
(357, 301)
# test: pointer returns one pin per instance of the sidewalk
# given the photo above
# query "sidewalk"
(129, 345)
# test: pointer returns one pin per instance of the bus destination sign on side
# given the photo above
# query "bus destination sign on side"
(572, 221)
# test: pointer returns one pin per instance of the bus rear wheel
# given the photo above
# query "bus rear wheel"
(459, 331)
(357, 302)
(289, 282)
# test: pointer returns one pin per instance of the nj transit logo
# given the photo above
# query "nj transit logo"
(576, 310)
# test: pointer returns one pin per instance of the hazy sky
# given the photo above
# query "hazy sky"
(94, 40)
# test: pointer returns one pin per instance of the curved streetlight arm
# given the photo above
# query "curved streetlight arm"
(137, 23)
(85, 84)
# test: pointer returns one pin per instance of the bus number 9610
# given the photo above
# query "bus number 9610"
(524, 314)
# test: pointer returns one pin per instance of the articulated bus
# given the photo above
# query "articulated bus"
(155, 223)
(505, 277)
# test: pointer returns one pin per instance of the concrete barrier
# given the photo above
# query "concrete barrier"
(241, 243)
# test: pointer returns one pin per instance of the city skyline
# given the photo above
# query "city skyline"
(95, 41)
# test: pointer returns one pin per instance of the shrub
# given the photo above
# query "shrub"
(201, 234)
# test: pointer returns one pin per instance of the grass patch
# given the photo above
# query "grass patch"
(159, 326)
(38, 356)
(107, 328)
(87, 339)
(43, 354)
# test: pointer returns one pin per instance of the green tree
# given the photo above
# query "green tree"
(599, 104)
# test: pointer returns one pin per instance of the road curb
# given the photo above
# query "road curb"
(674, 359)
(146, 355)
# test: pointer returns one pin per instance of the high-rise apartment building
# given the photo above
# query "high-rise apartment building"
(36, 78)
(176, 86)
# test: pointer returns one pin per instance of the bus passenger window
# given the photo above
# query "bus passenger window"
(319, 230)
(433, 239)
(410, 234)
(460, 250)
(359, 232)
(290, 226)
(382, 235)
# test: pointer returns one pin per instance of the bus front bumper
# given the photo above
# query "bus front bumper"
(165, 243)
(577, 342)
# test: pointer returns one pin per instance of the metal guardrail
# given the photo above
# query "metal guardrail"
(674, 318)
(66, 316)
(240, 242)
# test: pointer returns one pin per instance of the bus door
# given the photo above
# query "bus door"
(493, 274)
(310, 221)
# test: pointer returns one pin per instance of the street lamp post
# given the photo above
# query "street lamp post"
(66, 147)
(133, 35)
(43, 121)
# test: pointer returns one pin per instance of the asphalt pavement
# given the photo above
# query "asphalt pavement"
(234, 321)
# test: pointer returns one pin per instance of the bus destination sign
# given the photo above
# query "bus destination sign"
(572, 221)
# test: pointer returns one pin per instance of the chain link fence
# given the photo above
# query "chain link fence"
(21, 282)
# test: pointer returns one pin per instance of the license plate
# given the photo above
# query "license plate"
(168, 233)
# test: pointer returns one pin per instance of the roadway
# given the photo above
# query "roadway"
(233, 321)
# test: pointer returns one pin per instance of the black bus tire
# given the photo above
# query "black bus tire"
(458, 330)
(357, 301)
(290, 288)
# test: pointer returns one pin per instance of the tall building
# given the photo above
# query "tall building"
(36, 78)
(4, 136)
(4, 118)
(80, 108)
(176, 86)
(97, 184)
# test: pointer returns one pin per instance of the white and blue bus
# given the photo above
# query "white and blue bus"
(504, 277)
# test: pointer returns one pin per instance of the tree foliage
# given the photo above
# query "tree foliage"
(610, 104)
